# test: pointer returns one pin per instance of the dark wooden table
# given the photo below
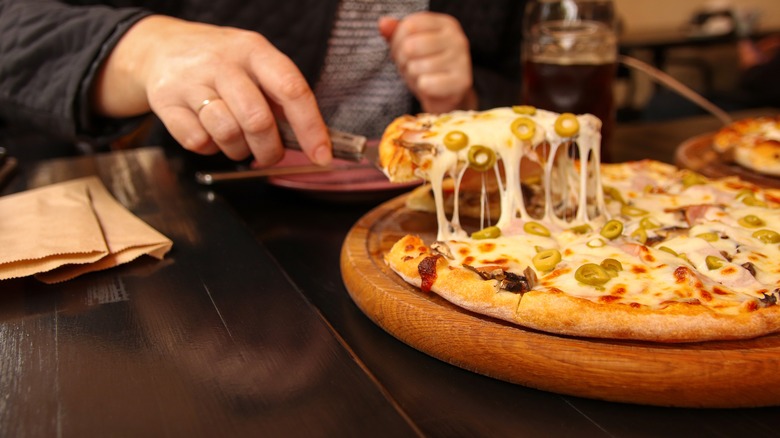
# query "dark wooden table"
(246, 329)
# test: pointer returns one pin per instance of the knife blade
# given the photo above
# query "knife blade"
(346, 146)
(368, 161)
(209, 178)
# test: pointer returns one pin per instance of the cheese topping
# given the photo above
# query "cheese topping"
(765, 129)
(640, 233)
(509, 135)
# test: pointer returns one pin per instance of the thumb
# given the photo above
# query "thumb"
(387, 26)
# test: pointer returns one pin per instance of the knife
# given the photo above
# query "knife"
(209, 177)
(346, 146)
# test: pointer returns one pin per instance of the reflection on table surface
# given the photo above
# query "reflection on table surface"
(246, 329)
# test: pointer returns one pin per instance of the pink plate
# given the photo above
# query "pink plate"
(362, 181)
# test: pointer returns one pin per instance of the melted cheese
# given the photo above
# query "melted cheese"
(665, 217)
(767, 129)
(491, 129)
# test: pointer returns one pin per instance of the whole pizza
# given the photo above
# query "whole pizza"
(553, 240)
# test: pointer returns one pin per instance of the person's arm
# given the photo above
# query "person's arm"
(89, 66)
(50, 53)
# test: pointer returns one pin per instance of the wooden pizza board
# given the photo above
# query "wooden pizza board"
(708, 374)
(697, 154)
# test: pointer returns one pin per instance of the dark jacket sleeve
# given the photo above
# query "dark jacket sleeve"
(50, 53)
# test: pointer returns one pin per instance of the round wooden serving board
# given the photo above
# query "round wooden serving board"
(708, 374)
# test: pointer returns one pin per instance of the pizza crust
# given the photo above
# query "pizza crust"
(678, 322)
(457, 285)
(753, 143)
(762, 157)
(396, 161)
(559, 313)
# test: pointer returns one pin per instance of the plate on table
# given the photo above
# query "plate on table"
(698, 154)
(715, 374)
(351, 181)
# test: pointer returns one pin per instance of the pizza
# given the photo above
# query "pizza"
(753, 143)
(566, 245)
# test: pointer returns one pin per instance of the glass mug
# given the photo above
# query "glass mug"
(570, 59)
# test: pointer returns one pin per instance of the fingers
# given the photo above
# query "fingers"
(440, 84)
(429, 70)
(415, 42)
(241, 121)
(187, 130)
(387, 26)
(248, 125)
(208, 126)
(432, 54)
(228, 93)
(288, 89)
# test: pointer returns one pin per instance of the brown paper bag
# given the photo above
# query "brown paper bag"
(63, 230)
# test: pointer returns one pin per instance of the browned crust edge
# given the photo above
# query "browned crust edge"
(567, 315)
(396, 161)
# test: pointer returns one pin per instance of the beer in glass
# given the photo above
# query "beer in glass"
(570, 58)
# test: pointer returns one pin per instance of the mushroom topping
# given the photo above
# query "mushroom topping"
(750, 268)
(508, 281)
(417, 148)
(770, 299)
(441, 248)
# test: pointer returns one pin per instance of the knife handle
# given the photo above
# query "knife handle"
(346, 146)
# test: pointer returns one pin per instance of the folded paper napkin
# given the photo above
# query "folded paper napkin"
(61, 231)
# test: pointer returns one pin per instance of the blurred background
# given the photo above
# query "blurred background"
(698, 43)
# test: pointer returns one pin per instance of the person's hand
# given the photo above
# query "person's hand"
(214, 88)
(432, 54)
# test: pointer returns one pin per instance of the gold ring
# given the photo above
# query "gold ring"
(204, 103)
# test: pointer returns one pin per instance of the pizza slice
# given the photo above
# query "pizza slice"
(753, 143)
